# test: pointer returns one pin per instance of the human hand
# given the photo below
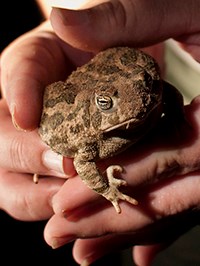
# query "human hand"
(26, 113)
(28, 64)
(22, 154)
(43, 58)
(33, 60)
(124, 22)
(163, 175)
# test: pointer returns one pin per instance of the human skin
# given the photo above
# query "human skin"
(138, 23)
(19, 85)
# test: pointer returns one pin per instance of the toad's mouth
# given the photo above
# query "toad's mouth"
(132, 129)
(126, 125)
(137, 125)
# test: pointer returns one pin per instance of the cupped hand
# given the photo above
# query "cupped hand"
(163, 174)
(97, 24)
(31, 62)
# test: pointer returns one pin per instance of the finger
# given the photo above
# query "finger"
(25, 152)
(25, 200)
(77, 5)
(144, 255)
(27, 66)
(86, 251)
(155, 203)
(157, 235)
(126, 22)
(152, 239)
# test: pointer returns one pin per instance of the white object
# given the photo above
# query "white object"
(182, 71)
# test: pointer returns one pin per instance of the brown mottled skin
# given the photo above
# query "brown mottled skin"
(102, 108)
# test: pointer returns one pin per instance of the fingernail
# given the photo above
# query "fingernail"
(89, 259)
(54, 162)
(76, 4)
(61, 241)
(73, 18)
(85, 262)
(13, 115)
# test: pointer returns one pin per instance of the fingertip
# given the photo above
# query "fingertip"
(25, 108)
(55, 233)
(73, 27)
(144, 255)
(88, 30)
(25, 122)
(57, 164)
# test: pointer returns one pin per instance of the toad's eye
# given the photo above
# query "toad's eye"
(104, 102)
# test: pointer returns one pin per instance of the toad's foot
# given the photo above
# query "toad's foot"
(113, 194)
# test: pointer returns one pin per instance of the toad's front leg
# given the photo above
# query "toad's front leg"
(107, 187)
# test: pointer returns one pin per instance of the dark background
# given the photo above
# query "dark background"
(17, 18)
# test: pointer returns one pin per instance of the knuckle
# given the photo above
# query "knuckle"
(18, 155)
(22, 207)
(27, 203)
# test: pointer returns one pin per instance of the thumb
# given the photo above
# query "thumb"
(125, 22)
(144, 255)
(77, 4)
